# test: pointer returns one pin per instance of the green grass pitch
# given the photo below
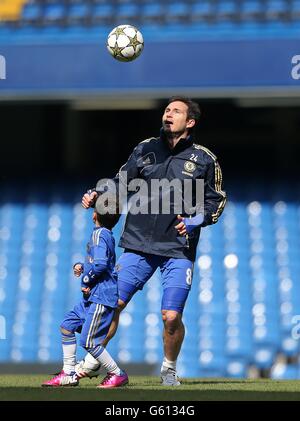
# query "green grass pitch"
(27, 388)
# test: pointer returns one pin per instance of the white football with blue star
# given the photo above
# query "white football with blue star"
(125, 43)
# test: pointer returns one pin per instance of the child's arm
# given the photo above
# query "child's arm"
(93, 270)
(78, 269)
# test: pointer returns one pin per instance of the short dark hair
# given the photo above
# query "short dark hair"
(107, 211)
(194, 111)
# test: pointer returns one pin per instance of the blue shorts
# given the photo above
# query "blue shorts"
(92, 320)
(134, 269)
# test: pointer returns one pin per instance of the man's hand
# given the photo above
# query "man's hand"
(181, 228)
(86, 291)
(78, 269)
(89, 199)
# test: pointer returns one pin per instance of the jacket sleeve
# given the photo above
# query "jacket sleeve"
(126, 173)
(130, 169)
(92, 271)
(214, 197)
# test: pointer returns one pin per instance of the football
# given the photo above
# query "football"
(125, 43)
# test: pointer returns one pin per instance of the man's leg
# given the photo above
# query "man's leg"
(177, 277)
(115, 322)
(133, 271)
(173, 333)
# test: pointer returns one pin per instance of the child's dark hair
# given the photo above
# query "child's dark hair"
(107, 210)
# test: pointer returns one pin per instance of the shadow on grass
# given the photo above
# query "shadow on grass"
(127, 394)
(203, 382)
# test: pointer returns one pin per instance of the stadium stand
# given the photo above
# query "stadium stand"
(205, 17)
(241, 312)
(239, 316)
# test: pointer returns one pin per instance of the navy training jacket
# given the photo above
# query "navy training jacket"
(153, 159)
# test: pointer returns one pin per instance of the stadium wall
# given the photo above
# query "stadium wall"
(209, 67)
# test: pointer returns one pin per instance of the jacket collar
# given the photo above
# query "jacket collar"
(180, 146)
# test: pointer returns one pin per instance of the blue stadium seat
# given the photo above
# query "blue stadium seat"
(203, 11)
(252, 10)
(277, 9)
(5, 351)
(212, 364)
(177, 11)
(127, 12)
(289, 346)
(54, 14)
(237, 368)
(78, 14)
(264, 357)
(295, 10)
(31, 14)
(152, 13)
(102, 14)
(227, 10)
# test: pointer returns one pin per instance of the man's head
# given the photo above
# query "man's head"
(180, 116)
(107, 212)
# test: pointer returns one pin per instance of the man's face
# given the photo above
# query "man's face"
(175, 120)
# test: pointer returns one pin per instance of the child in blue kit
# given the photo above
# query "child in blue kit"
(92, 316)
